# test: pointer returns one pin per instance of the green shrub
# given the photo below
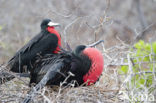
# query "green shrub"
(143, 59)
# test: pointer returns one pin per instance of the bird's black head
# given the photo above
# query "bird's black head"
(48, 23)
(79, 49)
(44, 24)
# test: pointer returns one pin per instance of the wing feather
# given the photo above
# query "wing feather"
(40, 44)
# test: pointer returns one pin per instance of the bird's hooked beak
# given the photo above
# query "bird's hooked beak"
(96, 43)
(53, 24)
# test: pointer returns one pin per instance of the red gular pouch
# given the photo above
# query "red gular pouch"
(96, 68)
(52, 30)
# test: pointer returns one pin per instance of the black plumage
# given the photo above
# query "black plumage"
(83, 65)
(60, 65)
(43, 43)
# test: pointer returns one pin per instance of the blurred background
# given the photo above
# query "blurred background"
(82, 21)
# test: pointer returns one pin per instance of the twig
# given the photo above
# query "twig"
(147, 72)
(142, 19)
(141, 34)
(8, 75)
(65, 30)
(141, 14)
(49, 75)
